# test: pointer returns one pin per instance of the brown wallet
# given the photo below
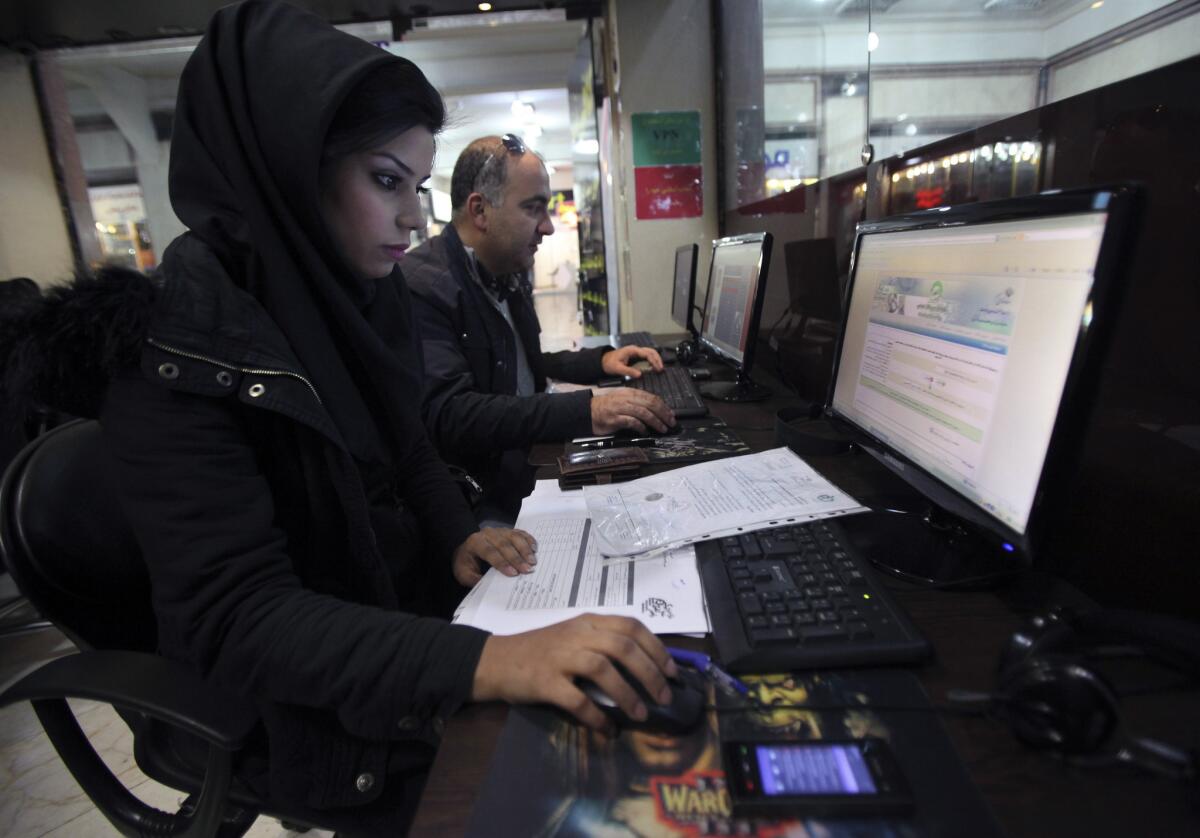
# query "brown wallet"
(599, 466)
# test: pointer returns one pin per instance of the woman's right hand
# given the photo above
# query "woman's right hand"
(541, 666)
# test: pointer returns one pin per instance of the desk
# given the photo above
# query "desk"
(1030, 793)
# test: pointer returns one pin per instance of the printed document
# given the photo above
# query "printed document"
(571, 577)
(709, 500)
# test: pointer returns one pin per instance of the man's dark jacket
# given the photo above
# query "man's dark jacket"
(274, 571)
(472, 409)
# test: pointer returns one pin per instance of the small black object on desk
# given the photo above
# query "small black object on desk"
(682, 714)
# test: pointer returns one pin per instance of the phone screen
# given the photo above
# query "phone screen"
(813, 769)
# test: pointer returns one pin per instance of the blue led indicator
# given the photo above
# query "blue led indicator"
(1008, 547)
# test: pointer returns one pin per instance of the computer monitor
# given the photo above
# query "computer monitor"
(683, 297)
(733, 304)
(812, 274)
(967, 362)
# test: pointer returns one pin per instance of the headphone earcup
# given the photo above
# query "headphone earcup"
(1057, 704)
(685, 353)
(1042, 634)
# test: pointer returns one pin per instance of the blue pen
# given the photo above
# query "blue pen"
(704, 663)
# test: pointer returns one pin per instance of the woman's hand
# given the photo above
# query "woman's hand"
(542, 665)
(509, 551)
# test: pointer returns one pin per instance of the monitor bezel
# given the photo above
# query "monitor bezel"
(689, 324)
(746, 362)
(1122, 203)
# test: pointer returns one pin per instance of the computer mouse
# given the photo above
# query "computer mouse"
(681, 715)
(671, 430)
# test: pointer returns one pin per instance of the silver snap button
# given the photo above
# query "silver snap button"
(168, 370)
(256, 390)
(224, 378)
(463, 336)
(408, 724)
(365, 782)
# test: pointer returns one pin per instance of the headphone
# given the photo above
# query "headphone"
(1051, 698)
(687, 353)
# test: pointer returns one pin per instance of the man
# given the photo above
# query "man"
(485, 400)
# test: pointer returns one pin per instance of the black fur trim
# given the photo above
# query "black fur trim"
(59, 352)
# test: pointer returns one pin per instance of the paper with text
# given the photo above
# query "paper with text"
(571, 578)
(711, 499)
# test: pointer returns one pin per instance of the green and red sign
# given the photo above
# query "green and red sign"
(667, 175)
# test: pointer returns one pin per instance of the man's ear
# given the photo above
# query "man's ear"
(477, 211)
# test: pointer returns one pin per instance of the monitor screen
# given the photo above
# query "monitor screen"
(813, 286)
(684, 294)
(734, 300)
(957, 344)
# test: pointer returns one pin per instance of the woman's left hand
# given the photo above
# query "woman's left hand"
(509, 551)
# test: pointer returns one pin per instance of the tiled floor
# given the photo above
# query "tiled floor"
(38, 797)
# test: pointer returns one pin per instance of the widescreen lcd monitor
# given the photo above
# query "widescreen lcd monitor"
(683, 294)
(733, 306)
(969, 349)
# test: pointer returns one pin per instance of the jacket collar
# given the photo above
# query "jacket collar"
(201, 310)
(202, 319)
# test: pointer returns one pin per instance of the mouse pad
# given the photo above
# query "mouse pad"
(573, 782)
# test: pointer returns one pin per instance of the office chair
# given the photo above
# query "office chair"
(70, 549)
(17, 616)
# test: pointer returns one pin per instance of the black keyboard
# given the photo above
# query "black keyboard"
(636, 339)
(800, 597)
(675, 387)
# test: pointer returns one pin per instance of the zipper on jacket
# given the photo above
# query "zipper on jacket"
(248, 370)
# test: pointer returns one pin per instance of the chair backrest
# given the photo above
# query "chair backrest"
(68, 545)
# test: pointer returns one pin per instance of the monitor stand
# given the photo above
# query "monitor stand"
(928, 546)
(741, 390)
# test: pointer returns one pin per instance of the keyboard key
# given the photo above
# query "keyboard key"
(823, 634)
(773, 635)
(749, 604)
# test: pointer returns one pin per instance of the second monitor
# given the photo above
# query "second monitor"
(737, 280)
(683, 296)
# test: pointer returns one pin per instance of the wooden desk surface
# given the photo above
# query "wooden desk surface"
(1031, 793)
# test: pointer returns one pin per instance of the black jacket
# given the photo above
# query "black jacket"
(274, 571)
(471, 408)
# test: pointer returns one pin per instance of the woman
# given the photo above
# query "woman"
(293, 516)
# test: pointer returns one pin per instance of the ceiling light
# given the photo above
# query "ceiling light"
(849, 88)
(1098, 4)
(485, 7)
(522, 109)
(911, 129)
(586, 147)
(872, 42)
(902, 117)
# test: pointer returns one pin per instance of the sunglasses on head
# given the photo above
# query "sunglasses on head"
(513, 143)
(510, 143)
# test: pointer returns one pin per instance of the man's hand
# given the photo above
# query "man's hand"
(623, 408)
(509, 551)
(542, 665)
(618, 363)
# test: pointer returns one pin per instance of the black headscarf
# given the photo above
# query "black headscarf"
(255, 102)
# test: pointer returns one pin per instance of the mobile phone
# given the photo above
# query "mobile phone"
(823, 777)
(594, 457)
(700, 374)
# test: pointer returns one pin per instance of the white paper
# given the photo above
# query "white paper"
(712, 499)
(571, 578)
